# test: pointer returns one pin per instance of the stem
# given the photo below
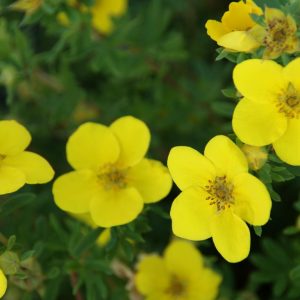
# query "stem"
(74, 281)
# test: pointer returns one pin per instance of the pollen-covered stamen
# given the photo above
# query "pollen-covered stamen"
(280, 36)
(289, 102)
(220, 192)
(112, 177)
(176, 287)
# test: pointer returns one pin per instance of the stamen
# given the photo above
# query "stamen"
(220, 193)
(176, 287)
(111, 177)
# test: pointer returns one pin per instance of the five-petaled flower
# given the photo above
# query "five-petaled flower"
(218, 197)
(269, 113)
(112, 179)
(237, 29)
(3, 284)
(179, 274)
(18, 166)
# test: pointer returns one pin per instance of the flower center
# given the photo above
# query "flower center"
(111, 177)
(280, 36)
(176, 287)
(289, 102)
(220, 193)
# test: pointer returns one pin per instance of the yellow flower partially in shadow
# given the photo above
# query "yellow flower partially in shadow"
(102, 13)
(269, 113)
(3, 284)
(18, 166)
(279, 35)
(179, 274)
(218, 197)
(256, 156)
(28, 6)
(237, 30)
(112, 178)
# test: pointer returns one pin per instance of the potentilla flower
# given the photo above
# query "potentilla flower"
(279, 35)
(18, 166)
(28, 6)
(256, 156)
(112, 179)
(218, 197)
(237, 30)
(3, 284)
(179, 274)
(269, 113)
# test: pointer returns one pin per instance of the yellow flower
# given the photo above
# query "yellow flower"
(3, 284)
(29, 6)
(218, 197)
(18, 166)
(179, 274)
(279, 36)
(112, 179)
(269, 113)
(103, 12)
(237, 30)
(256, 156)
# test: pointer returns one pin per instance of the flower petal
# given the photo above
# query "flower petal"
(35, 167)
(189, 168)
(152, 275)
(226, 156)
(11, 180)
(116, 206)
(73, 191)
(252, 200)
(259, 80)
(152, 179)
(291, 72)
(215, 29)
(257, 124)
(287, 147)
(104, 10)
(183, 259)
(14, 138)
(240, 41)
(3, 284)
(134, 138)
(92, 146)
(231, 236)
(191, 215)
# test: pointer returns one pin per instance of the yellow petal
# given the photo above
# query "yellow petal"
(241, 41)
(152, 179)
(104, 237)
(215, 29)
(104, 10)
(252, 200)
(273, 13)
(191, 215)
(258, 124)
(189, 168)
(238, 16)
(92, 146)
(259, 80)
(116, 206)
(183, 259)
(231, 236)
(291, 72)
(287, 147)
(35, 167)
(73, 191)
(14, 138)
(152, 275)
(134, 138)
(226, 156)
(11, 180)
(3, 284)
